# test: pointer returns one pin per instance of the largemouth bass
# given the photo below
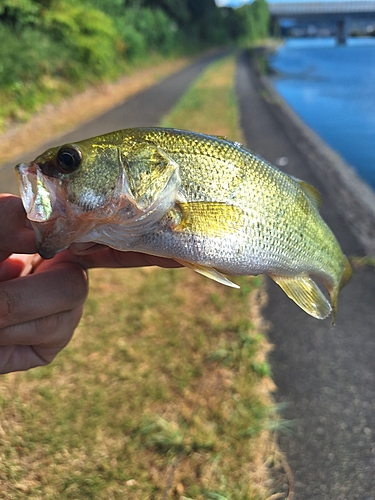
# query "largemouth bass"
(202, 200)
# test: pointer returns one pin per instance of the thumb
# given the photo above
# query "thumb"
(15, 236)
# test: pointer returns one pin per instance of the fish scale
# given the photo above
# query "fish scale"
(202, 200)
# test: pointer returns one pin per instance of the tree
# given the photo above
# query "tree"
(253, 21)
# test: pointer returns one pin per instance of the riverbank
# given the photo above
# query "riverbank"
(322, 83)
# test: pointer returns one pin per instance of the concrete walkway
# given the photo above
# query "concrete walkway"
(325, 375)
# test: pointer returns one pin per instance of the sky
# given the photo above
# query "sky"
(238, 3)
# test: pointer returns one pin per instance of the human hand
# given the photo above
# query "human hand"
(91, 255)
(41, 300)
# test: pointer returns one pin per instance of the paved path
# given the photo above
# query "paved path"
(325, 375)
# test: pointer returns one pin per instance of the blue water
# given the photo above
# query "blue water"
(332, 88)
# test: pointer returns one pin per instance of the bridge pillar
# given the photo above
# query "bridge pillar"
(342, 30)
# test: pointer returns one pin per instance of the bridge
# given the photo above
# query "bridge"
(323, 12)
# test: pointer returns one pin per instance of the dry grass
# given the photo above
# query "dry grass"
(210, 106)
(158, 394)
(164, 392)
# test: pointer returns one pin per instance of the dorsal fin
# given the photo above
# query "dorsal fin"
(311, 192)
(225, 138)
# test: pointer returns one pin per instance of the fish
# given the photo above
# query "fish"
(207, 202)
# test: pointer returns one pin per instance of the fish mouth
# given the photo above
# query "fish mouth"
(54, 236)
(46, 214)
(36, 192)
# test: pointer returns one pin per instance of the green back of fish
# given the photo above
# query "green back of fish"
(280, 214)
(226, 188)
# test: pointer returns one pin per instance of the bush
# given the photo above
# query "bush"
(48, 46)
(46, 50)
(146, 30)
(89, 35)
(29, 59)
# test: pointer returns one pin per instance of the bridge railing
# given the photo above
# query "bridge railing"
(285, 9)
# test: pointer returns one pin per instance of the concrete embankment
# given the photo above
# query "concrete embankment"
(325, 375)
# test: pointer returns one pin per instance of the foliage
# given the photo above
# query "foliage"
(253, 21)
(51, 46)
(47, 46)
(88, 34)
(145, 31)
(19, 13)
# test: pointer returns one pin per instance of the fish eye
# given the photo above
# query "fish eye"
(68, 159)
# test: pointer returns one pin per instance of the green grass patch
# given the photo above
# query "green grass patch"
(210, 105)
(162, 393)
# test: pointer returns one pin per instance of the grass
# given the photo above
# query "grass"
(210, 105)
(57, 118)
(163, 392)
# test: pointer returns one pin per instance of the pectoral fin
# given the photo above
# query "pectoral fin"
(209, 219)
(306, 294)
(209, 272)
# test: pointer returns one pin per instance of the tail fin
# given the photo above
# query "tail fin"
(347, 274)
(334, 292)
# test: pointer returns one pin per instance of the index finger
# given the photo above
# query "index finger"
(25, 299)
(15, 236)
(108, 257)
